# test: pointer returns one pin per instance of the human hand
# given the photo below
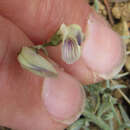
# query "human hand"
(22, 103)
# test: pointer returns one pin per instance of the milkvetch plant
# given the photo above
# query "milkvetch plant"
(101, 109)
(70, 38)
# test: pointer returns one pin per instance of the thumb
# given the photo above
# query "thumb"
(28, 102)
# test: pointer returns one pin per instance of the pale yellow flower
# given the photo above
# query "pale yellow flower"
(30, 60)
(72, 37)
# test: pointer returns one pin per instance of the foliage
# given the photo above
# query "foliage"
(101, 109)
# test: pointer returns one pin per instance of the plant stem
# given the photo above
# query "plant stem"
(97, 120)
(111, 124)
(115, 114)
(96, 5)
(123, 113)
(98, 103)
(108, 83)
(103, 108)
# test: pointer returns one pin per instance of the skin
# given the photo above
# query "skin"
(22, 102)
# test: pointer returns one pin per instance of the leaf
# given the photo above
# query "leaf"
(108, 116)
(77, 125)
(123, 113)
(118, 86)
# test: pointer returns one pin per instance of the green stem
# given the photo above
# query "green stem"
(96, 5)
(48, 44)
(77, 125)
(54, 41)
(111, 124)
(98, 103)
(103, 108)
(115, 114)
(123, 113)
(97, 120)
(108, 83)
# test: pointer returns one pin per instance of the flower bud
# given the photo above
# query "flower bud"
(30, 60)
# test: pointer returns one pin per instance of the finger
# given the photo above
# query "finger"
(45, 17)
(26, 100)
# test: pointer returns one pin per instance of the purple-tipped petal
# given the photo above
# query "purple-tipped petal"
(72, 37)
(70, 51)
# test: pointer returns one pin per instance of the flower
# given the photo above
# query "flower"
(30, 60)
(72, 37)
(70, 50)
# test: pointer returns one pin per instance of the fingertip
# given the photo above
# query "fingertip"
(103, 49)
(64, 98)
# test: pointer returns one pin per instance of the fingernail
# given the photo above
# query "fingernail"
(35, 63)
(103, 50)
(64, 98)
